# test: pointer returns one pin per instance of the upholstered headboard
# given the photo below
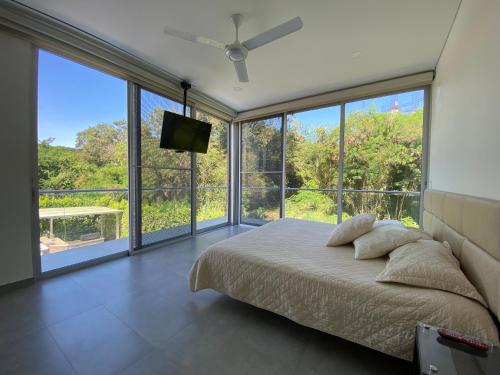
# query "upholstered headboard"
(472, 227)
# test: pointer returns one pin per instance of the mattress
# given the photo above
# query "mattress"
(284, 267)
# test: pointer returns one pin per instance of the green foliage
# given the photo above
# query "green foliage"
(167, 214)
(58, 167)
(312, 205)
(383, 151)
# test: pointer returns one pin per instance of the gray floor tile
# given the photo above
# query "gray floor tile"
(61, 298)
(156, 317)
(325, 353)
(96, 342)
(107, 281)
(155, 363)
(18, 318)
(208, 347)
(36, 353)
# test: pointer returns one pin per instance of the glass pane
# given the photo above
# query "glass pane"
(152, 108)
(312, 161)
(261, 145)
(260, 197)
(166, 204)
(82, 162)
(261, 166)
(165, 176)
(383, 153)
(400, 206)
(313, 205)
(213, 175)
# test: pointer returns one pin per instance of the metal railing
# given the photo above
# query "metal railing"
(119, 190)
(335, 190)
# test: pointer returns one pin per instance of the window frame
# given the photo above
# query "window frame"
(342, 103)
(228, 182)
(240, 219)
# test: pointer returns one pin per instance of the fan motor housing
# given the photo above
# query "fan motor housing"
(236, 52)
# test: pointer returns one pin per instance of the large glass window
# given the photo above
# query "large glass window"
(165, 176)
(261, 170)
(212, 176)
(381, 164)
(312, 160)
(82, 162)
(383, 157)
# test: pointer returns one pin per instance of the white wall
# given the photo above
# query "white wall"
(465, 122)
(17, 126)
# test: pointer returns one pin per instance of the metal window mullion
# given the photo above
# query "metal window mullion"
(134, 160)
(340, 184)
(35, 187)
(229, 151)
(238, 142)
(425, 152)
(194, 184)
(283, 163)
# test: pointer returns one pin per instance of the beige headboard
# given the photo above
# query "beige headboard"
(472, 227)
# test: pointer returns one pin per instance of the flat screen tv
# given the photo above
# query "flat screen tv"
(181, 133)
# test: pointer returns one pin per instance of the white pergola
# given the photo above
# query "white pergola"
(62, 212)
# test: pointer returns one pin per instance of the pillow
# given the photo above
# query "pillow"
(428, 264)
(349, 230)
(379, 223)
(382, 240)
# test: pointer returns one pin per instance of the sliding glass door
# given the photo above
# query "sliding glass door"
(261, 170)
(212, 176)
(82, 163)
(165, 175)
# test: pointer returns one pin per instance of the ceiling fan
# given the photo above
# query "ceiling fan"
(237, 51)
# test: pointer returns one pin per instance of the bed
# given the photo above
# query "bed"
(285, 267)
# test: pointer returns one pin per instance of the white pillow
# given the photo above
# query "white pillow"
(428, 264)
(379, 223)
(349, 230)
(382, 240)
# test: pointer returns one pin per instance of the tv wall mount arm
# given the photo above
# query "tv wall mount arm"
(186, 86)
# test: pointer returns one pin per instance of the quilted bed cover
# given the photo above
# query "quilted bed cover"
(285, 267)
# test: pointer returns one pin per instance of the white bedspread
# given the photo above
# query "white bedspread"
(284, 267)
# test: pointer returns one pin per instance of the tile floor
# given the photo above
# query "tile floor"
(136, 315)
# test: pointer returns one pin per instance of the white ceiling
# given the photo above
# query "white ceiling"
(392, 38)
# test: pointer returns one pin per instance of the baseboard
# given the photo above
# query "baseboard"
(16, 285)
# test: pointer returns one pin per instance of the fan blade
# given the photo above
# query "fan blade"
(241, 70)
(271, 35)
(192, 38)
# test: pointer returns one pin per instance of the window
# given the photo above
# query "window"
(381, 165)
(312, 160)
(383, 157)
(82, 162)
(165, 176)
(212, 176)
(261, 170)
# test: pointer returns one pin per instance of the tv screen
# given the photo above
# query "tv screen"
(184, 134)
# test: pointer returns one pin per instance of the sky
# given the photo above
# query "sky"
(329, 117)
(73, 97)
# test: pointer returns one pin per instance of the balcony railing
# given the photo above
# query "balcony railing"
(71, 218)
(320, 204)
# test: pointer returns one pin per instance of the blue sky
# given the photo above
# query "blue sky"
(330, 116)
(72, 97)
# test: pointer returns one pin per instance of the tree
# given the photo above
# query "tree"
(97, 143)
